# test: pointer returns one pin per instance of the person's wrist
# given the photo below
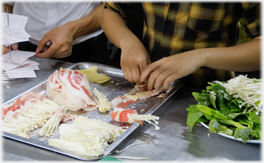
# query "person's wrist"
(72, 28)
(203, 56)
(124, 42)
(128, 41)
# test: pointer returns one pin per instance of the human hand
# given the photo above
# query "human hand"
(6, 49)
(166, 70)
(134, 59)
(60, 39)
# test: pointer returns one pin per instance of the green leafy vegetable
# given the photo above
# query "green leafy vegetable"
(216, 127)
(233, 108)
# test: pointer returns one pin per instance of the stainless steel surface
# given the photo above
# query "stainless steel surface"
(5, 76)
(173, 142)
(116, 86)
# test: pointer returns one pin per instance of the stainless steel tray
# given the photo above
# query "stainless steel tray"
(116, 86)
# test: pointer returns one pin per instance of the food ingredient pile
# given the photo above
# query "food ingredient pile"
(69, 90)
(233, 108)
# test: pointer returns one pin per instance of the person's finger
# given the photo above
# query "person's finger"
(142, 67)
(45, 48)
(129, 75)
(135, 72)
(153, 77)
(160, 79)
(146, 80)
(49, 53)
(41, 44)
(147, 70)
(169, 80)
(124, 70)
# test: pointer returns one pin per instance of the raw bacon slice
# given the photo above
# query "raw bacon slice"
(121, 102)
(32, 111)
(71, 89)
(140, 92)
(27, 100)
(131, 116)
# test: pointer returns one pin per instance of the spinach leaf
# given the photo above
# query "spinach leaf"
(192, 118)
(254, 117)
(192, 108)
(215, 127)
(234, 115)
(242, 133)
(211, 112)
(202, 98)
(212, 98)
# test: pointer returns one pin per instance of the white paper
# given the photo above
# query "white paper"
(19, 66)
(25, 71)
(9, 65)
(14, 30)
(18, 58)
(35, 67)
(31, 62)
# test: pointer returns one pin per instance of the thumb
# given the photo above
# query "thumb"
(47, 53)
(41, 44)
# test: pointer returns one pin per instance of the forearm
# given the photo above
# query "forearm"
(88, 24)
(243, 57)
(116, 29)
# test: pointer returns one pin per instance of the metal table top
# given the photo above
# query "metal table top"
(173, 142)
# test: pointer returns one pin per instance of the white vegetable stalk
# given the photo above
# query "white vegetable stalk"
(114, 131)
(52, 124)
(15, 131)
(86, 136)
(101, 101)
(31, 118)
(151, 119)
(246, 89)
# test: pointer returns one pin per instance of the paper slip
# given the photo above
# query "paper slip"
(24, 71)
(19, 66)
(15, 31)
(18, 56)
(12, 65)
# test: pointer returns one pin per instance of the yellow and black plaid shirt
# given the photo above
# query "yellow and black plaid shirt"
(171, 27)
